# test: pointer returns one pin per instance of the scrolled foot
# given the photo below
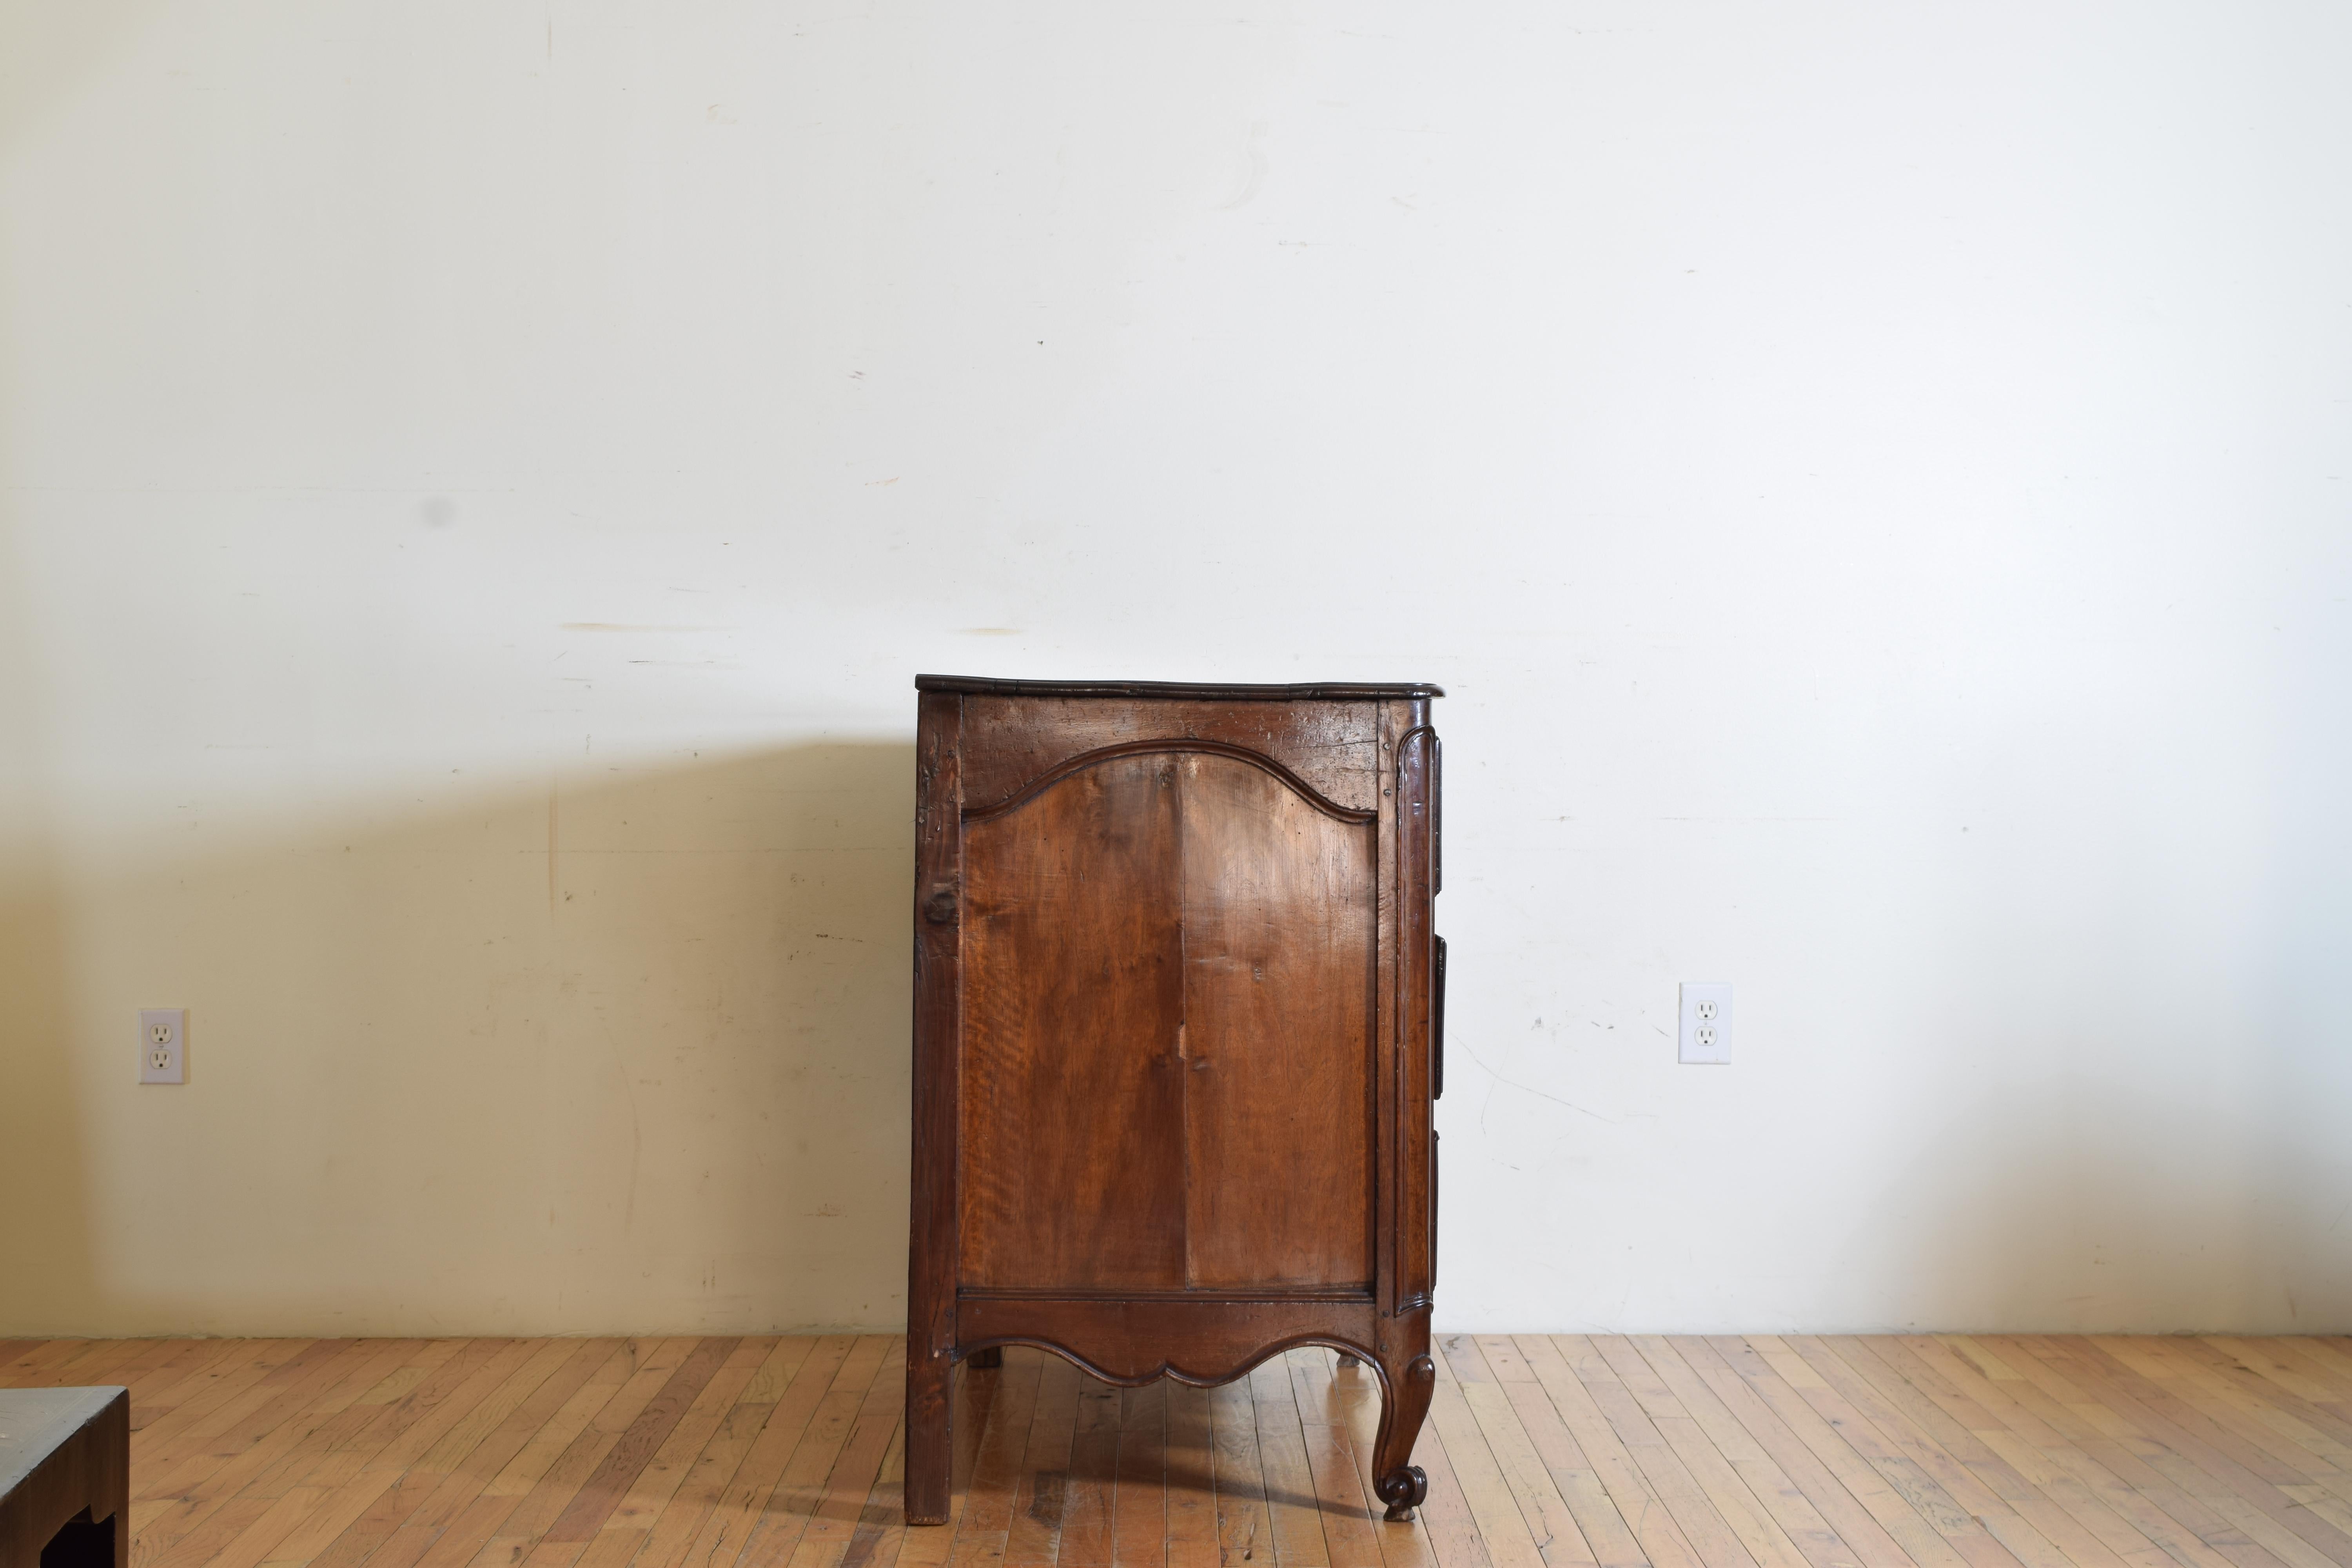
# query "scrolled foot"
(1403, 1490)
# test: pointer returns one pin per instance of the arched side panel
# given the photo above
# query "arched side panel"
(1085, 760)
(1167, 1056)
(1072, 1115)
(1011, 742)
(1280, 944)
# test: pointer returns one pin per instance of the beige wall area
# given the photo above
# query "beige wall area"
(476, 481)
(626, 1049)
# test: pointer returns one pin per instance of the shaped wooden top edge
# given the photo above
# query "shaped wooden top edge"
(1318, 691)
(1085, 760)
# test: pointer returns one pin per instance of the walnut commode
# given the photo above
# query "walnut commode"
(1179, 1012)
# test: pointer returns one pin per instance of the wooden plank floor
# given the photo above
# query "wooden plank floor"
(1567, 1451)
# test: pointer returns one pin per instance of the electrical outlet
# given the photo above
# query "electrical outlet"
(162, 1045)
(1706, 1035)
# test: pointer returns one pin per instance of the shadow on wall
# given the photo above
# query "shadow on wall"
(43, 1213)
(619, 1055)
(43, 1208)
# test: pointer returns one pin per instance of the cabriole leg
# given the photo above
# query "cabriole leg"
(930, 1456)
(1402, 1484)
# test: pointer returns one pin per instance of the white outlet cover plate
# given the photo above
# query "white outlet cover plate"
(1704, 1036)
(162, 1045)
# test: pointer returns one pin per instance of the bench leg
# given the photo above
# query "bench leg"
(82, 1544)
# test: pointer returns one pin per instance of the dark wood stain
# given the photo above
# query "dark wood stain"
(1072, 1119)
(1278, 915)
(1175, 980)
(1012, 740)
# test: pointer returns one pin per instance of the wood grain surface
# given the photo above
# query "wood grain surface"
(1279, 963)
(1166, 1066)
(1009, 741)
(1072, 1162)
(1762, 1451)
(1172, 1044)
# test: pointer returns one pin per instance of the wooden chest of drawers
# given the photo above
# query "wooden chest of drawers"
(1178, 1025)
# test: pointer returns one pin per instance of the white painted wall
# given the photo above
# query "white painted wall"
(476, 480)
